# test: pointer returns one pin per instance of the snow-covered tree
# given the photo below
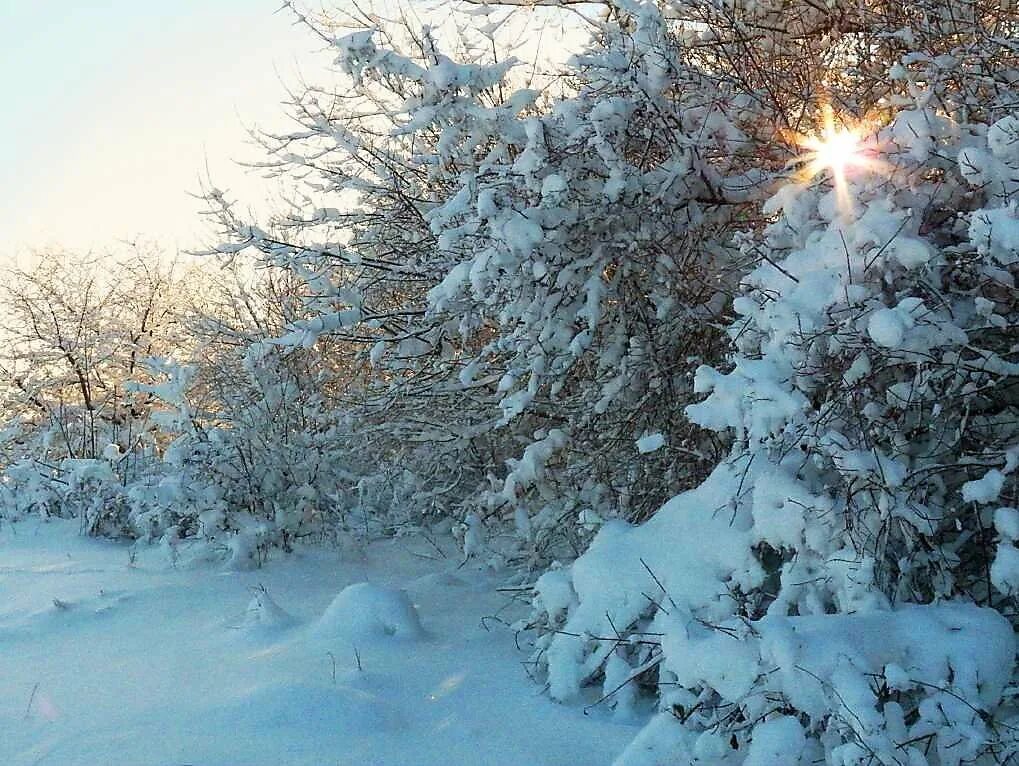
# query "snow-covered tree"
(533, 280)
(75, 328)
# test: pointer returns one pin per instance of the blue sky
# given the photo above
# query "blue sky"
(112, 110)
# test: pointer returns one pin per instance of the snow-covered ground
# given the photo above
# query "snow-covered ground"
(108, 659)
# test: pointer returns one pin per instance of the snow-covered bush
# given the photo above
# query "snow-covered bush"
(594, 254)
(262, 447)
(26, 491)
(80, 488)
(532, 282)
(871, 394)
(235, 446)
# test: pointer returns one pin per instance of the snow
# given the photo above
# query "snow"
(650, 443)
(886, 328)
(934, 645)
(108, 657)
(778, 740)
(1003, 138)
(985, 489)
(368, 611)
(765, 616)
(555, 592)
(995, 232)
(916, 132)
(1005, 569)
(1006, 521)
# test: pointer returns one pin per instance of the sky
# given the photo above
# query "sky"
(114, 112)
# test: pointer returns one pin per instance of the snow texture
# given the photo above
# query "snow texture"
(107, 658)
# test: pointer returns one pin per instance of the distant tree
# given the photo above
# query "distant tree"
(76, 329)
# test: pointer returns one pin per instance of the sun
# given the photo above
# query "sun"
(834, 150)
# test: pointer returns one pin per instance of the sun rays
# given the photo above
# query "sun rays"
(837, 149)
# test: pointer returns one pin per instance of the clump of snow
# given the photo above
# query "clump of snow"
(529, 469)
(777, 740)
(917, 132)
(1003, 138)
(650, 443)
(1006, 521)
(365, 611)
(264, 615)
(973, 165)
(472, 536)
(995, 232)
(985, 489)
(619, 686)
(554, 593)
(886, 328)
(80, 471)
(112, 452)
(1005, 569)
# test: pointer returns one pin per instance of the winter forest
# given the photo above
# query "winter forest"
(631, 382)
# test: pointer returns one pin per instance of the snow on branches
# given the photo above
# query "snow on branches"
(871, 395)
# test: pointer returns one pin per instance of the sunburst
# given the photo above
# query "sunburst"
(837, 149)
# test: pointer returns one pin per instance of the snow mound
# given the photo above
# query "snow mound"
(365, 610)
(264, 615)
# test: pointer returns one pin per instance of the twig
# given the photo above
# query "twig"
(659, 584)
(653, 662)
(31, 699)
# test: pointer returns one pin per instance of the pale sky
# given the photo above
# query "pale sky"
(113, 110)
